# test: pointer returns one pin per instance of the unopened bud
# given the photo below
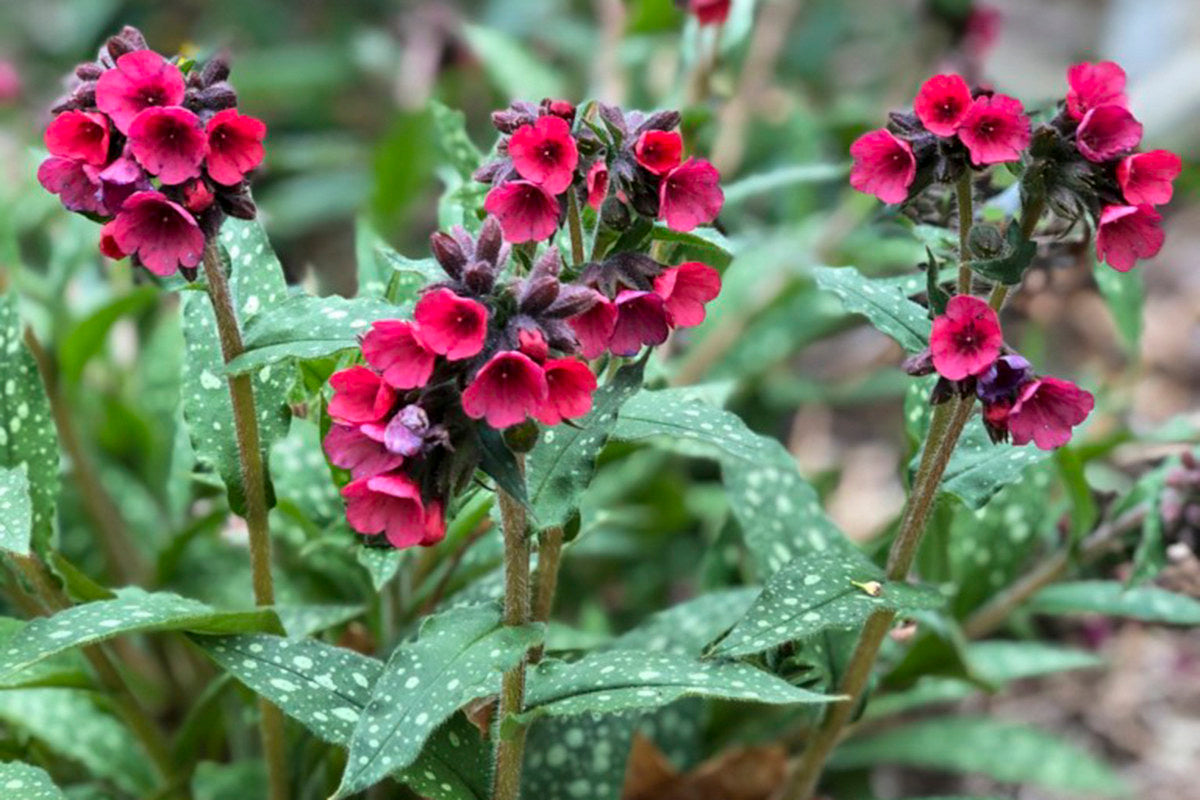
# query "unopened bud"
(522, 438)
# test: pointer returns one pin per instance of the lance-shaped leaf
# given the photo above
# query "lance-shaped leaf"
(687, 627)
(884, 304)
(578, 757)
(820, 592)
(1147, 603)
(132, 611)
(459, 655)
(27, 782)
(16, 510)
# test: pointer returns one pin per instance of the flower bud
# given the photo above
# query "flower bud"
(448, 253)
(522, 438)
(615, 214)
(986, 241)
(538, 293)
(215, 71)
(217, 97)
(661, 121)
(89, 71)
(919, 364)
(238, 205)
(490, 244)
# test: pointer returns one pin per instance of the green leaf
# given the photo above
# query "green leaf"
(621, 680)
(455, 146)
(1010, 267)
(381, 563)
(815, 593)
(500, 463)
(561, 466)
(408, 275)
(27, 435)
(458, 656)
(87, 337)
(782, 178)
(1147, 603)
(132, 611)
(235, 781)
(26, 782)
(455, 764)
(685, 629)
(65, 669)
(578, 757)
(707, 244)
(884, 304)
(978, 469)
(301, 621)
(305, 327)
(511, 65)
(1124, 292)
(999, 662)
(1001, 750)
(16, 510)
(256, 283)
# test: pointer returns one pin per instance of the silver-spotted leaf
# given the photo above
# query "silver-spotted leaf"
(885, 304)
(26, 782)
(16, 510)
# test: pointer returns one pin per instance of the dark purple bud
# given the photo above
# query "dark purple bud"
(943, 390)
(479, 277)
(919, 364)
(615, 119)
(449, 254)
(490, 244)
(128, 40)
(488, 172)
(550, 264)
(660, 121)
(217, 97)
(615, 214)
(216, 70)
(537, 294)
(572, 300)
(559, 336)
(89, 71)
(237, 205)
(1003, 379)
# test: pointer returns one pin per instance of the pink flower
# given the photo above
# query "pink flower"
(350, 448)
(79, 135)
(995, 130)
(594, 327)
(1106, 132)
(108, 243)
(641, 319)
(435, 523)
(76, 183)
(1094, 85)
(710, 12)
(545, 153)
(141, 79)
(685, 289)
(234, 146)
(119, 180)
(169, 143)
(449, 325)
(1146, 177)
(942, 103)
(509, 388)
(966, 339)
(659, 151)
(532, 343)
(390, 504)
(883, 166)
(359, 396)
(527, 213)
(1045, 411)
(597, 184)
(1127, 233)
(690, 195)
(570, 385)
(393, 347)
(163, 234)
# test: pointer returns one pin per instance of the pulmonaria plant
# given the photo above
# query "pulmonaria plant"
(154, 148)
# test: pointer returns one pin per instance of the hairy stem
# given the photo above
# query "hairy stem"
(550, 544)
(253, 468)
(966, 216)
(575, 224)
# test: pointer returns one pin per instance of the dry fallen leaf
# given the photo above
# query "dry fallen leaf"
(741, 773)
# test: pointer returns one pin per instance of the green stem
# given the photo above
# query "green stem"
(575, 225)
(550, 544)
(245, 420)
(966, 217)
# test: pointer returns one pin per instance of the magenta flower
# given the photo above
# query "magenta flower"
(349, 447)
(509, 388)
(641, 320)
(659, 151)
(169, 143)
(1106, 132)
(1127, 233)
(995, 130)
(685, 289)
(108, 242)
(449, 325)
(883, 166)
(79, 135)
(942, 103)
(1094, 85)
(710, 12)
(391, 504)
(690, 195)
(527, 213)
(545, 153)
(532, 343)
(140, 80)
(119, 180)
(1146, 178)
(966, 339)
(395, 349)
(594, 327)
(162, 234)
(570, 385)
(234, 146)
(1045, 411)
(359, 396)
(597, 184)
(76, 183)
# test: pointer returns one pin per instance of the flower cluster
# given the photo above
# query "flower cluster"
(621, 163)
(154, 148)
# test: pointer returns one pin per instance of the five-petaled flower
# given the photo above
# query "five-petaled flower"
(883, 166)
(943, 103)
(995, 129)
(966, 339)
(1127, 233)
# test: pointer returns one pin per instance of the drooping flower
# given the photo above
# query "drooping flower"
(234, 145)
(435, 523)
(393, 347)
(1003, 378)
(966, 339)
(659, 151)
(140, 80)
(883, 166)
(570, 385)
(79, 135)
(389, 504)
(690, 195)
(509, 388)
(1127, 233)
(641, 320)
(545, 153)
(359, 396)
(108, 242)
(349, 447)
(594, 327)
(685, 290)
(1145, 178)
(1107, 132)
(162, 234)
(169, 143)
(1094, 85)
(527, 213)
(1045, 411)
(450, 325)
(597, 184)
(942, 103)
(710, 12)
(76, 183)
(995, 129)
